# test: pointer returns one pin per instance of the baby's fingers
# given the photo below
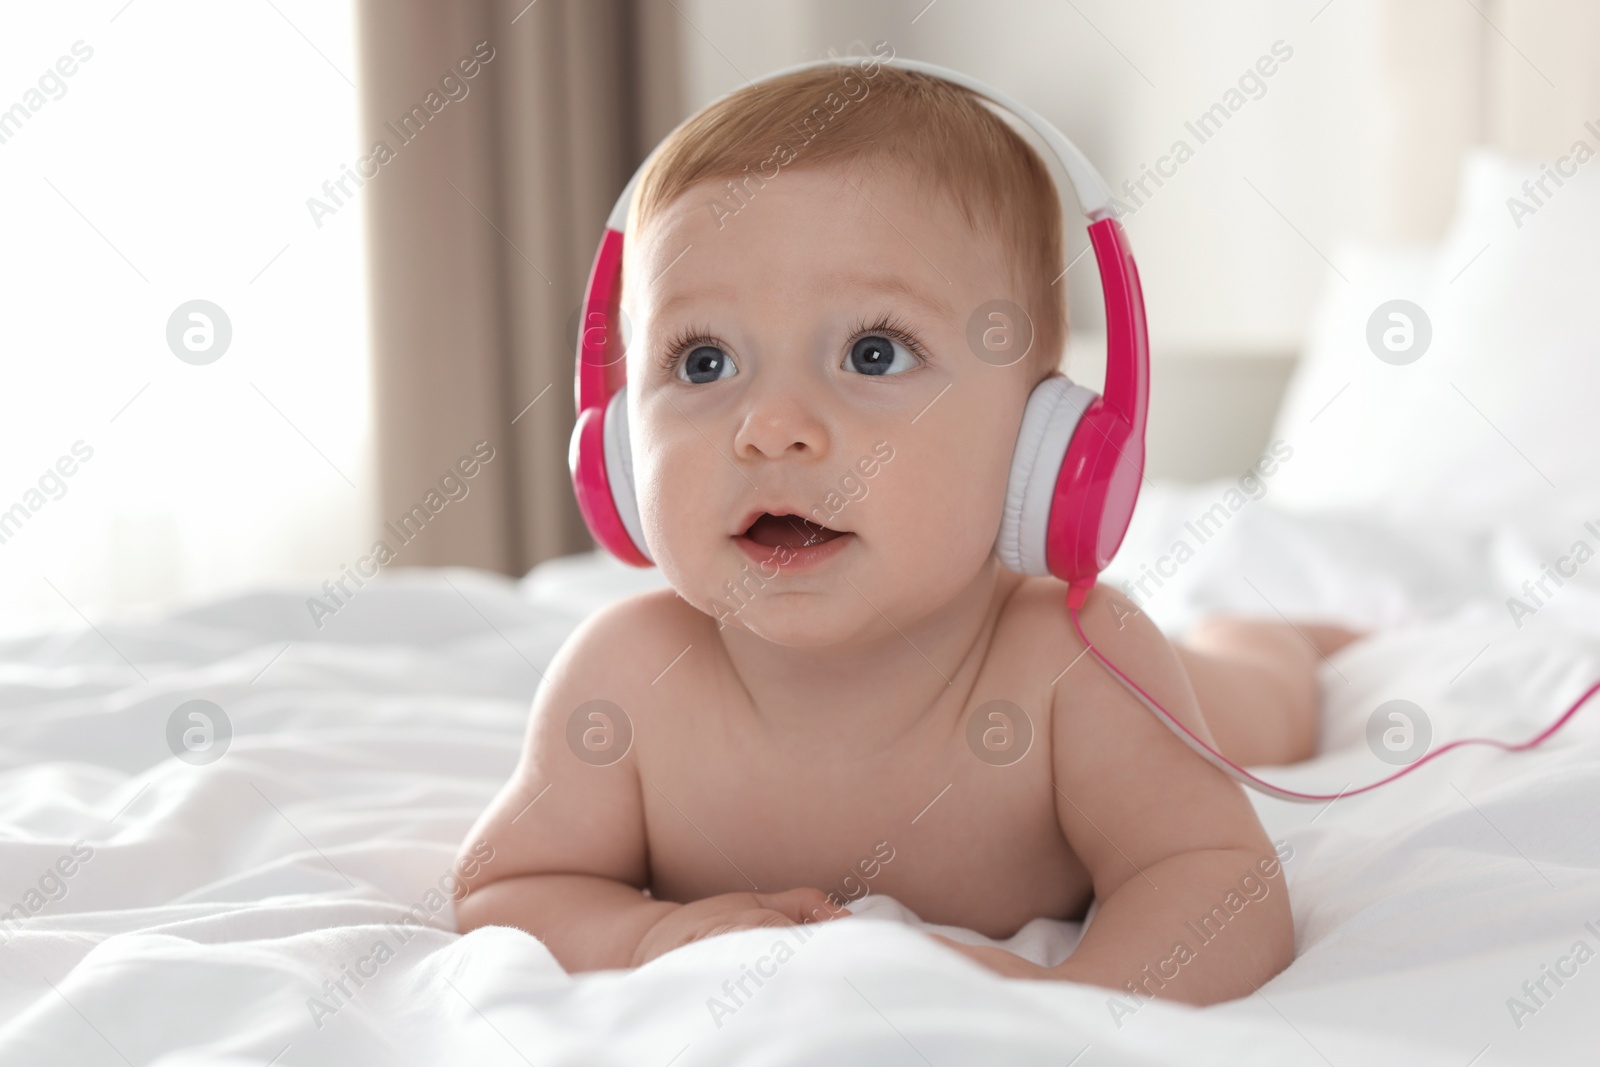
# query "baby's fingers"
(753, 919)
(801, 905)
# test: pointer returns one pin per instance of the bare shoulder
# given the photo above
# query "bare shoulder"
(1034, 625)
(573, 803)
(599, 691)
(625, 645)
(1035, 621)
(1121, 773)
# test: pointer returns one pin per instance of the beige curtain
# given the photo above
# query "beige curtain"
(1521, 76)
(511, 129)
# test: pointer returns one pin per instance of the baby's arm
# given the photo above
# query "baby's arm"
(1193, 906)
(561, 852)
(568, 858)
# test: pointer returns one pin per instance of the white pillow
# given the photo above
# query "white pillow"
(1501, 405)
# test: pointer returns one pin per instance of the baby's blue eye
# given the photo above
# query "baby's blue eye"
(704, 364)
(877, 354)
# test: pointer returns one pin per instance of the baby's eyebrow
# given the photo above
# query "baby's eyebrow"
(882, 284)
(891, 285)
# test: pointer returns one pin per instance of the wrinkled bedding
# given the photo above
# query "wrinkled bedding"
(286, 901)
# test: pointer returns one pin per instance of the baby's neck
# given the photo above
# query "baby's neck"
(865, 697)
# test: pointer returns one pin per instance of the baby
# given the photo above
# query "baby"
(843, 690)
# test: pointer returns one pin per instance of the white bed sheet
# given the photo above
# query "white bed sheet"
(219, 898)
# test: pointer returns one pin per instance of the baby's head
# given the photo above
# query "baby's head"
(842, 285)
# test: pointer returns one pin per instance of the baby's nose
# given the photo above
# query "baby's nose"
(778, 425)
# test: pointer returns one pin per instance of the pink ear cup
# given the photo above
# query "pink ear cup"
(593, 487)
(1099, 482)
(619, 471)
(1052, 414)
(1094, 495)
(599, 381)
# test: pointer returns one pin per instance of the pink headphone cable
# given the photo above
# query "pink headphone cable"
(1079, 591)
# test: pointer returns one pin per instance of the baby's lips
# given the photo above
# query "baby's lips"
(778, 511)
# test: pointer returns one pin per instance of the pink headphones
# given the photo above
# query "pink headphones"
(1079, 456)
(1077, 465)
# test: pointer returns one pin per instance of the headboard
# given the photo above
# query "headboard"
(1520, 76)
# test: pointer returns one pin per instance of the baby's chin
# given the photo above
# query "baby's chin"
(811, 619)
(797, 611)
(813, 614)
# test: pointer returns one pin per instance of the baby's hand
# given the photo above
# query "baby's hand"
(1000, 961)
(733, 911)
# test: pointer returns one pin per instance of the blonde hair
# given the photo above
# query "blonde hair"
(940, 132)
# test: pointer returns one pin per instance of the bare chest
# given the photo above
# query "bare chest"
(957, 821)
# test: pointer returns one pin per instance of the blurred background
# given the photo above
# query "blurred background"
(237, 339)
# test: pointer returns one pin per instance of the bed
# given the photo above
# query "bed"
(279, 894)
(219, 899)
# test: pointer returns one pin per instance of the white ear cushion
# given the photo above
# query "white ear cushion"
(1053, 412)
(619, 468)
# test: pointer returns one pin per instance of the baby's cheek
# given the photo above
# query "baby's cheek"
(674, 550)
(690, 544)
(675, 519)
(946, 517)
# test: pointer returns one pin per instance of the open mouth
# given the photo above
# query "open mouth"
(788, 531)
